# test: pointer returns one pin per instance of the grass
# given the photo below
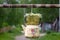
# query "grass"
(6, 36)
(52, 36)
(11, 34)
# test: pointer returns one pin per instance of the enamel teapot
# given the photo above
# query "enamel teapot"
(31, 27)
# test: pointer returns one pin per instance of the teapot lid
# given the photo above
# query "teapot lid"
(34, 14)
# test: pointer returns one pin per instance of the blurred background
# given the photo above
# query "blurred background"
(11, 19)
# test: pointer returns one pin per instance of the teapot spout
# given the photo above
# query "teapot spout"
(23, 27)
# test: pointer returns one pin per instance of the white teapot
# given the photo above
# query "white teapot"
(32, 29)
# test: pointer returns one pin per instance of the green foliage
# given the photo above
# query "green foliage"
(4, 24)
(3, 16)
(12, 2)
(14, 16)
(1, 1)
(49, 14)
(45, 1)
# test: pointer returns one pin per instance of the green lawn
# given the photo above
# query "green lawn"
(11, 34)
(52, 36)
